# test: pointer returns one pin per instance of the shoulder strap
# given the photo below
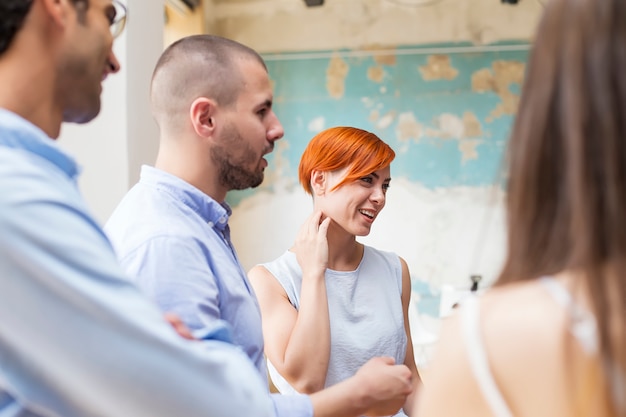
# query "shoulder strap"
(470, 327)
(583, 326)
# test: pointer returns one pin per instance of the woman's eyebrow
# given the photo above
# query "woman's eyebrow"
(375, 175)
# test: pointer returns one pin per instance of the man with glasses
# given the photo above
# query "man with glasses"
(76, 339)
(118, 19)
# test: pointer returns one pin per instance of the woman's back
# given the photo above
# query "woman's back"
(523, 332)
(566, 211)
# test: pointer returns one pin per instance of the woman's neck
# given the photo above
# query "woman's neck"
(344, 252)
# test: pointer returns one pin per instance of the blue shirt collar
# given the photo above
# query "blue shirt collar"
(18, 133)
(214, 213)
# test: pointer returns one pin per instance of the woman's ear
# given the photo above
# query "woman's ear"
(202, 115)
(318, 182)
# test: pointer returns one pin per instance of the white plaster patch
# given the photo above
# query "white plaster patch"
(385, 121)
(444, 234)
(317, 124)
(367, 102)
(451, 126)
(408, 127)
(275, 175)
(264, 225)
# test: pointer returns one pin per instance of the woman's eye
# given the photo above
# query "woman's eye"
(367, 180)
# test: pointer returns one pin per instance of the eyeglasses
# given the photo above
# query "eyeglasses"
(119, 20)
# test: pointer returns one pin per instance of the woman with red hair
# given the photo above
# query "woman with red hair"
(331, 303)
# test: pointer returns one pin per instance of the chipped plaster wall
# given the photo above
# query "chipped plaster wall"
(446, 109)
(178, 25)
(443, 97)
(288, 25)
(439, 82)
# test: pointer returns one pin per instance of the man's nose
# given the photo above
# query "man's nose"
(276, 130)
(113, 64)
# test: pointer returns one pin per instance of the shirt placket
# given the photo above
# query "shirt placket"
(223, 230)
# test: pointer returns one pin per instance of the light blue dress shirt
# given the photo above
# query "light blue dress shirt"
(77, 339)
(174, 241)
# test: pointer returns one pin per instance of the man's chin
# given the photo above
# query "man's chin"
(81, 116)
(252, 183)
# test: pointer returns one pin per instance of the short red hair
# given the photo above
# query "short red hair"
(339, 147)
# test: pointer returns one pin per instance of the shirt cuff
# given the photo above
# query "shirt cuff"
(296, 405)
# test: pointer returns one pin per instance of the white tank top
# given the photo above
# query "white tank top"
(583, 329)
(365, 308)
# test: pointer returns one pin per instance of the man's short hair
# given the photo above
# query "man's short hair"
(215, 56)
(198, 65)
(12, 16)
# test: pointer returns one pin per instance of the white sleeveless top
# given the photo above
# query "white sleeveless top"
(365, 309)
(583, 329)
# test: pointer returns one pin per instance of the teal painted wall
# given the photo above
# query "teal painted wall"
(420, 115)
(445, 109)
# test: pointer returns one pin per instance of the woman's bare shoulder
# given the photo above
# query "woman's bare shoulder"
(524, 330)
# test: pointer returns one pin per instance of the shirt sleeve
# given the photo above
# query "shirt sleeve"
(173, 271)
(296, 405)
(77, 339)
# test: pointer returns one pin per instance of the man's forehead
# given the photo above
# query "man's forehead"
(108, 4)
(255, 75)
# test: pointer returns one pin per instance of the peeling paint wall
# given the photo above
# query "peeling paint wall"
(439, 82)
(179, 24)
(288, 25)
(446, 109)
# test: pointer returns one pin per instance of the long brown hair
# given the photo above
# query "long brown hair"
(566, 200)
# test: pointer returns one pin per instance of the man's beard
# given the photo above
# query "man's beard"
(233, 173)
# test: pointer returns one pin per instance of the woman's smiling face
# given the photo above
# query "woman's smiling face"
(355, 205)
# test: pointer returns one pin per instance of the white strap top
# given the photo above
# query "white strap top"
(583, 323)
(470, 327)
(365, 307)
(583, 329)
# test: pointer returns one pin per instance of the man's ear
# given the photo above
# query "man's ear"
(318, 182)
(59, 10)
(202, 115)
